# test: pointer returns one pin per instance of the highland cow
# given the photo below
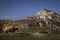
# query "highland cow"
(9, 29)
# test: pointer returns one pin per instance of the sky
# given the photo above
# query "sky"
(20, 9)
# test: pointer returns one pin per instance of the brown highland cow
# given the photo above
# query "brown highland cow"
(9, 29)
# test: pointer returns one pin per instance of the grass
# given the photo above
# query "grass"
(52, 35)
(29, 36)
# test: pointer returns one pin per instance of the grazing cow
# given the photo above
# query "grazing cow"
(9, 29)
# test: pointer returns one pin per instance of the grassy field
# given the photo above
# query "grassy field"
(28, 36)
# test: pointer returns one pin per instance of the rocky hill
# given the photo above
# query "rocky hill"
(45, 25)
(43, 20)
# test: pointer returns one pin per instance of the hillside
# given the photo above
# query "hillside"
(45, 25)
(43, 19)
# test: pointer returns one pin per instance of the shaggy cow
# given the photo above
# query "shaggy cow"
(9, 29)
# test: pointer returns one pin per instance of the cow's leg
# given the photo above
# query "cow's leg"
(6, 31)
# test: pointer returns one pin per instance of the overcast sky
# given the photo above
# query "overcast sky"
(20, 9)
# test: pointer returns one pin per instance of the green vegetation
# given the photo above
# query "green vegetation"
(31, 33)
